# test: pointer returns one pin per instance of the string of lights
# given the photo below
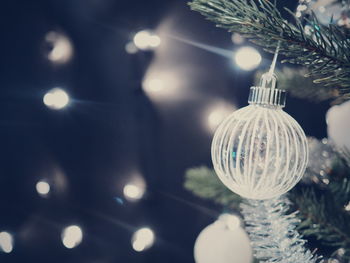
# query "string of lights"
(61, 51)
(101, 88)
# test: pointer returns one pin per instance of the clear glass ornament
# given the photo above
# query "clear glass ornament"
(259, 151)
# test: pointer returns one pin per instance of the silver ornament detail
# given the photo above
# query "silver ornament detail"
(260, 151)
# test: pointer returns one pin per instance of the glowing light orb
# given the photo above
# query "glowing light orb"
(247, 58)
(130, 48)
(322, 9)
(216, 114)
(153, 85)
(133, 192)
(56, 99)
(145, 40)
(143, 239)
(215, 118)
(72, 236)
(237, 38)
(61, 47)
(6, 242)
(347, 207)
(154, 41)
(43, 188)
(301, 7)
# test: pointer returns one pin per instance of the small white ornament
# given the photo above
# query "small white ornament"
(339, 125)
(259, 151)
(224, 241)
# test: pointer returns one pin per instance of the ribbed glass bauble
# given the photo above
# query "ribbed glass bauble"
(259, 151)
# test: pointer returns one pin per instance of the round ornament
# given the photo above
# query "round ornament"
(338, 125)
(259, 151)
(224, 241)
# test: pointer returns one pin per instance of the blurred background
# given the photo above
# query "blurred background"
(104, 104)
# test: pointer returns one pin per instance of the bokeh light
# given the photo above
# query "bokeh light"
(130, 48)
(142, 239)
(6, 242)
(163, 86)
(61, 47)
(43, 188)
(154, 41)
(133, 192)
(146, 40)
(347, 207)
(247, 58)
(72, 236)
(56, 99)
(237, 38)
(216, 113)
(152, 85)
(135, 188)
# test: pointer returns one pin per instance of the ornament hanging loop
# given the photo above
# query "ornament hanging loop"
(267, 94)
(274, 60)
(269, 79)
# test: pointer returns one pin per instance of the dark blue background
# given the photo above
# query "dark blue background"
(111, 129)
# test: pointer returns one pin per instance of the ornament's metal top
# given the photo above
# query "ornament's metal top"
(266, 94)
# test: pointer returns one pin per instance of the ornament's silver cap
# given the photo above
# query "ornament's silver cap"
(266, 94)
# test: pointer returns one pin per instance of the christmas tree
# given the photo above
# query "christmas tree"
(317, 209)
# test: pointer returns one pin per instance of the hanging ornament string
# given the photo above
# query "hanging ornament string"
(274, 60)
(270, 77)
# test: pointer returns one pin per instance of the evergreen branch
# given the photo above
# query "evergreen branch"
(204, 183)
(345, 155)
(322, 215)
(339, 184)
(299, 86)
(325, 52)
(321, 207)
(322, 218)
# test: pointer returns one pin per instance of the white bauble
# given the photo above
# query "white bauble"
(224, 241)
(259, 151)
(338, 120)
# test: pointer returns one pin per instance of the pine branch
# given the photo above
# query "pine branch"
(299, 86)
(339, 186)
(321, 206)
(204, 183)
(322, 218)
(322, 215)
(325, 52)
(344, 154)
